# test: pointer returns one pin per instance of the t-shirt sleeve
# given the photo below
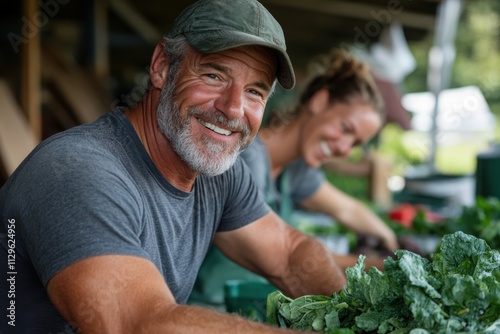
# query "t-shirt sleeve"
(304, 180)
(74, 203)
(244, 202)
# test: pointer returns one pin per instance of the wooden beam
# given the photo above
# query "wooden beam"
(17, 139)
(100, 31)
(380, 171)
(30, 90)
(361, 11)
(73, 85)
(132, 17)
(58, 111)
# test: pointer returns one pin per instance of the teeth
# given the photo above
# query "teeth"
(325, 148)
(215, 128)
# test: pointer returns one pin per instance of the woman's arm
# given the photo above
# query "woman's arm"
(351, 213)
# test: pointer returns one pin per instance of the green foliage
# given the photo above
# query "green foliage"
(477, 51)
(476, 62)
(455, 293)
(481, 220)
(356, 186)
(478, 47)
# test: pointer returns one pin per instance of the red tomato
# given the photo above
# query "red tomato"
(404, 214)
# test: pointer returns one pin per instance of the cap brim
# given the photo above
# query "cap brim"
(223, 40)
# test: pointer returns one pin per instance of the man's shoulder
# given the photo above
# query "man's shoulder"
(79, 150)
(96, 136)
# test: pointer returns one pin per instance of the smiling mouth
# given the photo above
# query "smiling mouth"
(325, 149)
(215, 128)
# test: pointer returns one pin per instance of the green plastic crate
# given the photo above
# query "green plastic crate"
(247, 298)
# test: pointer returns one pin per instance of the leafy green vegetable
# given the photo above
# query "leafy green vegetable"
(481, 220)
(454, 293)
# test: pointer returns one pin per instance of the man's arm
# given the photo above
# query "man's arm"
(350, 213)
(127, 294)
(296, 263)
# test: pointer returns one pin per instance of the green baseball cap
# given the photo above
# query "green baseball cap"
(217, 25)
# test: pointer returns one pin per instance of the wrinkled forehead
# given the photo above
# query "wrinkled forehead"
(259, 58)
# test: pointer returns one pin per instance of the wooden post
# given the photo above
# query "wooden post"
(16, 138)
(100, 47)
(30, 90)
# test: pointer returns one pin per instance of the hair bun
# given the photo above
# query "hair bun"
(338, 63)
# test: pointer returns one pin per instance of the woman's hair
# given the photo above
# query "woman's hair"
(344, 76)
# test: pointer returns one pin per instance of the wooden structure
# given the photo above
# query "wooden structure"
(17, 138)
(76, 92)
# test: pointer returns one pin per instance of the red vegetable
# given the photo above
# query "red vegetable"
(404, 214)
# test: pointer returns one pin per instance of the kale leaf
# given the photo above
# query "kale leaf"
(454, 292)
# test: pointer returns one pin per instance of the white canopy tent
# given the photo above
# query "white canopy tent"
(461, 113)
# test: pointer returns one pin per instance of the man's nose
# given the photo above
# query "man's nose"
(231, 102)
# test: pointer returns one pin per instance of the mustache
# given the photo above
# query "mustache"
(220, 119)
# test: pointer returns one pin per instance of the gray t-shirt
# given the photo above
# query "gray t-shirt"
(302, 181)
(93, 190)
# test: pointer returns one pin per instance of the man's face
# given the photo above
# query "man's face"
(212, 110)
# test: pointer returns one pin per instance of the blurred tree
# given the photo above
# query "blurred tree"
(478, 50)
(477, 59)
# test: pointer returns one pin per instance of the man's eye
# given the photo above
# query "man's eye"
(213, 76)
(255, 92)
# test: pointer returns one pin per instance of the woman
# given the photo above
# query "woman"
(339, 109)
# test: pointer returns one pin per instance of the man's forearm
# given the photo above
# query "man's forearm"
(193, 320)
(311, 270)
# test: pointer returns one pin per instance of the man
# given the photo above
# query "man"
(113, 219)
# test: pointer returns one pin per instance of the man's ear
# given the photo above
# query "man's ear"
(159, 66)
(319, 101)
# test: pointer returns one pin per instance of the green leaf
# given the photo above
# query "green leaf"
(341, 331)
(493, 294)
(426, 313)
(494, 328)
(465, 254)
(393, 326)
(419, 331)
(307, 304)
(319, 323)
(274, 299)
(458, 290)
(416, 269)
(455, 293)
(332, 320)
(372, 320)
(377, 289)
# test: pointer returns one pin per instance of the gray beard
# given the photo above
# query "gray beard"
(208, 157)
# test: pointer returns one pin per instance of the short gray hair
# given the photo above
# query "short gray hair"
(175, 49)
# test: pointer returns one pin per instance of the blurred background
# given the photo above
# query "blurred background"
(437, 64)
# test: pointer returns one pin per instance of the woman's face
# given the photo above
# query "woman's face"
(334, 129)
